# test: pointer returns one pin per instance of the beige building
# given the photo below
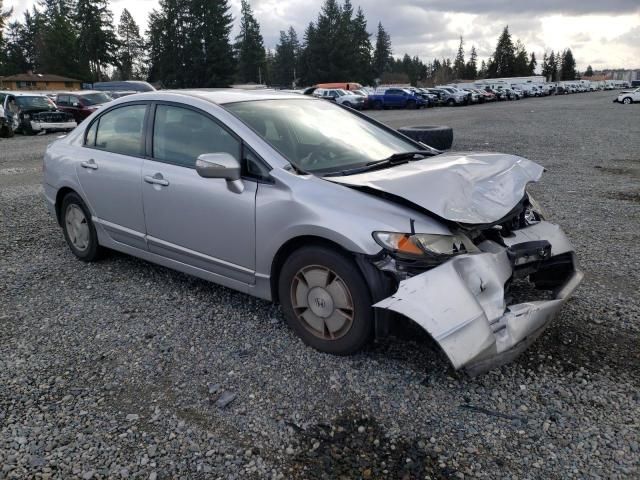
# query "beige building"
(38, 81)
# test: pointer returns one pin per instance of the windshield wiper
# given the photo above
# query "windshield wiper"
(393, 160)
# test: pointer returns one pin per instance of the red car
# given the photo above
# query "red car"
(81, 104)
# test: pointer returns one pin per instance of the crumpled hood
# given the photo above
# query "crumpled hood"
(470, 188)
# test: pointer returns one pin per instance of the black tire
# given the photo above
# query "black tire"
(377, 105)
(93, 251)
(360, 329)
(440, 137)
(6, 131)
(451, 102)
(347, 104)
(411, 105)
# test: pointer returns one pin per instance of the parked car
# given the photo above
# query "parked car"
(5, 127)
(629, 96)
(31, 113)
(452, 96)
(348, 86)
(81, 104)
(395, 98)
(341, 97)
(342, 219)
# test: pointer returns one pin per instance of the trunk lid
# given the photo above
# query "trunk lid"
(469, 188)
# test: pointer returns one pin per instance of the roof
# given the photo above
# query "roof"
(37, 77)
(230, 95)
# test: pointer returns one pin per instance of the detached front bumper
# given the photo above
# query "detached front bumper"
(462, 303)
(50, 126)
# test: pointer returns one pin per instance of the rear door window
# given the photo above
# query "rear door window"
(121, 130)
(63, 100)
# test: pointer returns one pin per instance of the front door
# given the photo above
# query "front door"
(109, 172)
(194, 220)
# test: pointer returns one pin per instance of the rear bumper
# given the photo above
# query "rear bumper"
(462, 303)
(39, 126)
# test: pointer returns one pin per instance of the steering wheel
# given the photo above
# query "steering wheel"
(316, 156)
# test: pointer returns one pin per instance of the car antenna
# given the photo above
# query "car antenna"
(412, 223)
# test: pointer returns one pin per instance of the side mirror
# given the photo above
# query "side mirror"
(221, 165)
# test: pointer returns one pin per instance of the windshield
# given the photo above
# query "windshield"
(32, 103)
(95, 98)
(317, 136)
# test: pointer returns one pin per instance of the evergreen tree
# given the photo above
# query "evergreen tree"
(459, 67)
(96, 40)
(589, 72)
(553, 66)
(471, 69)
(521, 64)
(56, 43)
(568, 66)
(167, 41)
(482, 73)
(249, 47)
(131, 49)
(504, 57)
(533, 63)
(382, 53)
(13, 59)
(361, 43)
(286, 58)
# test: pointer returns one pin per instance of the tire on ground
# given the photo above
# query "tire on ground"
(6, 131)
(361, 329)
(439, 137)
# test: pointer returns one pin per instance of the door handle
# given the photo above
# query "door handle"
(156, 180)
(90, 164)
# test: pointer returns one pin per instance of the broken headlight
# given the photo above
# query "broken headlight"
(533, 212)
(437, 248)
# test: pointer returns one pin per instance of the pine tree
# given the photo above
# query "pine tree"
(553, 66)
(361, 43)
(382, 53)
(568, 66)
(589, 72)
(482, 73)
(458, 64)
(504, 57)
(56, 43)
(471, 69)
(13, 60)
(286, 58)
(131, 48)
(533, 63)
(249, 47)
(521, 64)
(96, 41)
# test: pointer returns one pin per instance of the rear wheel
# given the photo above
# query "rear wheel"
(347, 104)
(451, 102)
(411, 105)
(326, 300)
(79, 231)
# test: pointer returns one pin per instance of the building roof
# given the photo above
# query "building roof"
(37, 77)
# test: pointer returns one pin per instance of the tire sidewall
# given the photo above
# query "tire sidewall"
(362, 327)
(92, 251)
(626, 101)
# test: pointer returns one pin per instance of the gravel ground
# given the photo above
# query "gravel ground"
(123, 369)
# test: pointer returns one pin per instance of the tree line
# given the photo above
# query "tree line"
(188, 44)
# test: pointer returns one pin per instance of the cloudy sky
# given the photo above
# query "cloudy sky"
(602, 33)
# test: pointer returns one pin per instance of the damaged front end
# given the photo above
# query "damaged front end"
(468, 301)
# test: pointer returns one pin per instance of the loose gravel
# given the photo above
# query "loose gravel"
(123, 369)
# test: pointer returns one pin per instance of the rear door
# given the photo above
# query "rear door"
(109, 170)
(194, 220)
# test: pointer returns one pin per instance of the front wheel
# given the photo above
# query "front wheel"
(326, 300)
(627, 101)
(377, 105)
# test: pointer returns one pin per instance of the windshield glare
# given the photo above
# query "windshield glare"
(318, 136)
(95, 99)
(35, 102)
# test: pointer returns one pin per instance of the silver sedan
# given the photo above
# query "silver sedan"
(344, 221)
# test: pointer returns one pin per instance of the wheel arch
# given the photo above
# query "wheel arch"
(60, 194)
